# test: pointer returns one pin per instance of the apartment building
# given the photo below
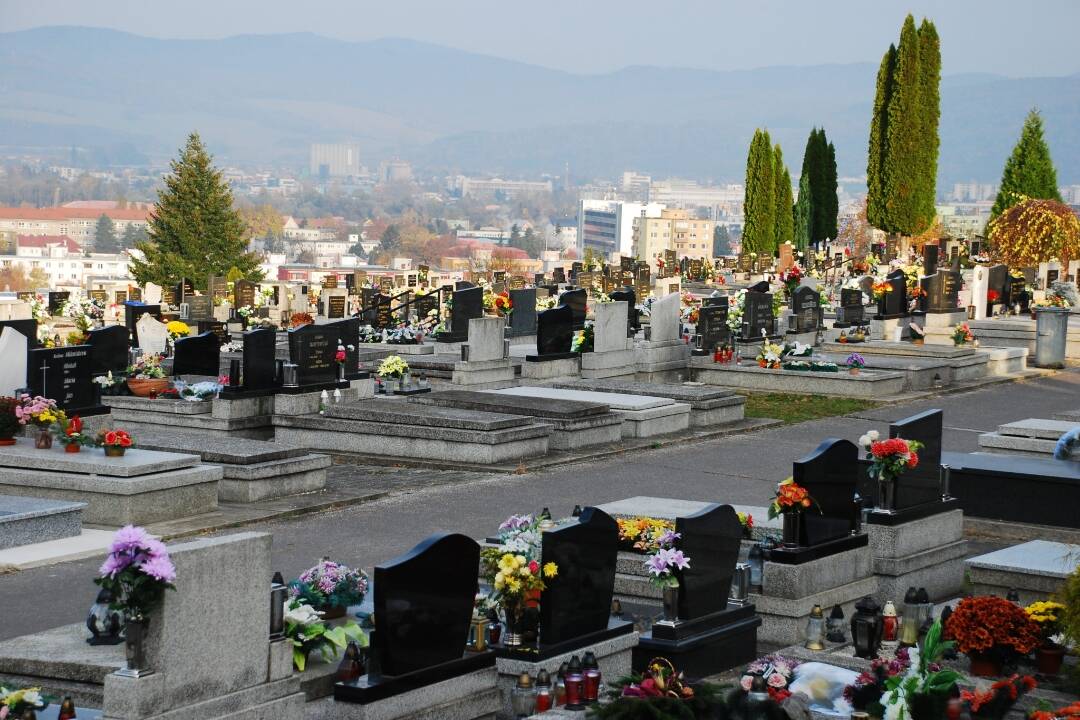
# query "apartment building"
(674, 230)
(64, 263)
(77, 223)
(607, 226)
(335, 160)
(473, 187)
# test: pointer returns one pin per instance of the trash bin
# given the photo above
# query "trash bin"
(1051, 333)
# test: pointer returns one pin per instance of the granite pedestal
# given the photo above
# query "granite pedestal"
(709, 406)
(248, 417)
(927, 552)
(26, 520)
(539, 367)
(472, 695)
(143, 486)
(702, 646)
(642, 416)
(661, 360)
(609, 364)
(480, 374)
(1035, 569)
(867, 384)
(1033, 437)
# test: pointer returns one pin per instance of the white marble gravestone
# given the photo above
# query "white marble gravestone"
(609, 327)
(13, 346)
(664, 318)
(486, 339)
(980, 284)
(152, 294)
(152, 334)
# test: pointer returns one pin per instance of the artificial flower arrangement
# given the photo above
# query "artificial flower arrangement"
(583, 340)
(403, 336)
(1046, 712)
(811, 366)
(995, 702)
(797, 349)
(791, 279)
(790, 498)
(244, 311)
(69, 431)
(855, 361)
(147, 367)
(866, 692)
(137, 572)
(994, 627)
(393, 366)
(736, 309)
(109, 382)
(924, 687)
(15, 704)
(666, 562)
(962, 335)
(308, 633)
(38, 411)
(200, 391)
(660, 692)
(778, 672)
(992, 296)
(513, 569)
(770, 355)
(177, 329)
(115, 442)
(301, 319)
(889, 459)
(1047, 615)
(368, 334)
(642, 533)
(340, 355)
(880, 290)
(546, 303)
(503, 304)
(329, 586)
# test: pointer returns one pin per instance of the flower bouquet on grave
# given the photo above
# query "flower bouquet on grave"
(1048, 615)
(146, 378)
(301, 319)
(177, 329)
(368, 334)
(880, 289)
(777, 671)
(9, 422)
(111, 384)
(823, 366)
(583, 340)
(790, 502)
(404, 335)
(659, 693)
(866, 692)
(923, 690)
(642, 534)
(996, 702)
(991, 631)
(961, 335)
(114, 442)
(770, 355)
(889, 459)
(791, 279)
(855, 362)
(393, 366)
(665, 566)
(513, 569)
(308, 633)
(69, 431)
(330, 588)
(1046, 711)
(200, 391)
(40, 412)
(504, 306)
(15, 704)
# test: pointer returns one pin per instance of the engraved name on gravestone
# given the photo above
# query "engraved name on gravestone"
(348, 331)
(244, 293)
(806, 307)
(218, 328)
(712, 327)
(851, 310)
(200, 307)
(152, 335)
(63, 374)
(312, 349)
(942, 291)
(558, 276)
(757, 315)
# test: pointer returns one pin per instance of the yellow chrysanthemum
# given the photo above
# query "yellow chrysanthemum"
(519, 560)
(513, 585)
(551, 570)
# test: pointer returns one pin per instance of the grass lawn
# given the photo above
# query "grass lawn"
(798, 408)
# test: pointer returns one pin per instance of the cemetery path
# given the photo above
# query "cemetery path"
(741, 469)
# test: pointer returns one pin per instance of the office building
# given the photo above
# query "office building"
(335, 160)
(607, 226)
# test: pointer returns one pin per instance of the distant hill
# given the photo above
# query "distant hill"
(266, 97)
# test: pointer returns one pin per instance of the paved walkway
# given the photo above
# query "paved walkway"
(739, 469)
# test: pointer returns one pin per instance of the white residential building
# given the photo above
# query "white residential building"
(63, 262)
(607, 226)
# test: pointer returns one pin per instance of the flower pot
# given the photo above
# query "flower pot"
(1048, 658)
(792, 529)
(73, 448)
(331, 612)
(146, 388)
(671, 603)
(114, 451)
(4, 442)
(985, 665)
(853, 371)
(43, 440)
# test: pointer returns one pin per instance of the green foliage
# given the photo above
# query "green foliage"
(875, 173)
(759, 229)
(819, 168)
(1069, 596)
(105, 236)
(802, 213)
(391, 238)
(707, 703)
(195, 232)
(903, 142)
(827, 194)
(721, 243)
(929, 116)
(1029, 171)
(133, 235)
(785, 220)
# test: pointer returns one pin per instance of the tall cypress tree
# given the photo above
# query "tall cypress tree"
(875, 179)
(811, 170)
(1029, 171)
(785, 221)
(830, 199)
(901, 166)
(759, 227)
(929, 115)
(803, 213)
(195, 232)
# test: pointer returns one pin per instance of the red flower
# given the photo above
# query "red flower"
(110, 438)
(534, 567)
(913, 461)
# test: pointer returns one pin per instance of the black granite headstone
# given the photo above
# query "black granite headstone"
(558, 276)
(57, 300)
(200, 307)
(930, 259)
(712, 327)
(830, 475)
(759, 287)
(757, 315)
(132, 312)
(348, 337)
(244, 293)
(260, 366)
(942, 291)
(468, 305)
(220, 329)
(806, 308)
(197, 355)
(851, 311)
(425, 304)
(384, 317)
(523, 320)
(921, 484)
(576, 300)
(26, 327)
(554, 331)
(997, 280)
(424, 604)
(312, 349)
(578, 601)
(894, 303)
(711, 538)
(64, 375)
(108, 349)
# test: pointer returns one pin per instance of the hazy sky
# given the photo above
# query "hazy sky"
(1008, 37)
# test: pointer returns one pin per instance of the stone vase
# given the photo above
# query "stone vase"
(671, 603)
(43, 440)
(792, 529)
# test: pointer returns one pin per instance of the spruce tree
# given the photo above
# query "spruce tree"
(803, 213)
(194, 232)
(105, 236)
(900, 170)
(875, 180)
(759, 227)
(1029, 171)
(929, 115)
(829, 197)
(784, 220)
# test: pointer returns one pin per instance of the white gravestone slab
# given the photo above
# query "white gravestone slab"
(616, 401)
(486, 339)
(1037, 557)
(609, 327)
(980, 284)
(152, 335)
(152, 294)
(664, 318)
(13, 369)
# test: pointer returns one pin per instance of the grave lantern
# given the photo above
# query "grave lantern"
(890, 630)
(575, 685)
(278, 595)
(546, 523)
(545, 694)
(104, 624)
(591, 671)
(523, 697)
(740, 584)
(866, 626)
(560, 684)
(757, 699)
(815, 630)
(834, 627)
(756, 557)
(912, 619)
(926, 610)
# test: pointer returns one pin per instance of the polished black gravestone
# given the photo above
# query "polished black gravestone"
(806, 309)
(220, 329)
(132, 312)
(712, 634)
(108, 349)
(893, 304)
(260, 375)
(244, 293)
(712, 327)
(831, 475)
(312, 349)
(851, 311)
(427, 307)
(65, 375)
(349, 338)
(942, 291)
(554, 334)
(468, 304)
(575, 609)
(558, 276)
(56, 301)
(197, 355)
(423, 603)
(757, 316)
(930, 259)
(522, 320)
(576, 300)
(918, 491)
(997, 280)
(629, 297)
